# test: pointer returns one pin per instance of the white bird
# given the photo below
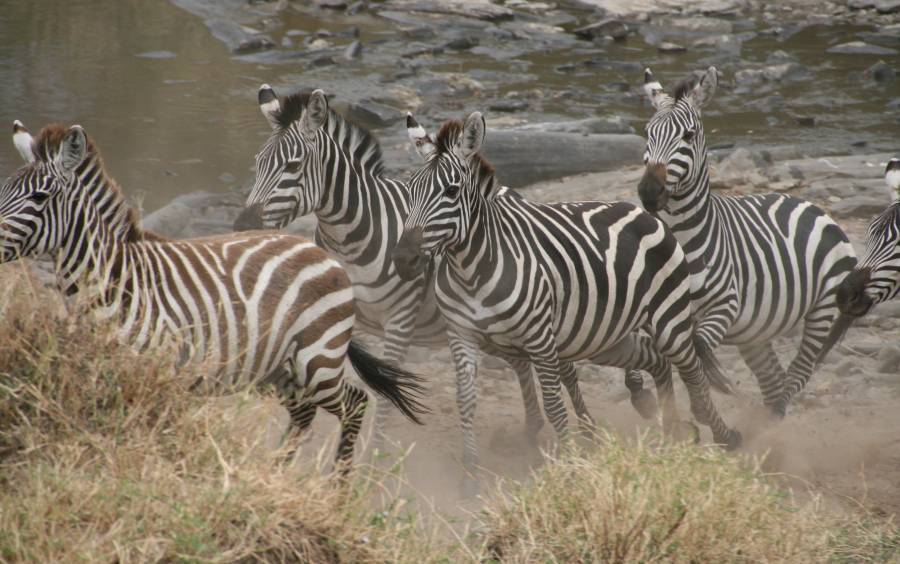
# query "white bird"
(22, 141)
(892, 175)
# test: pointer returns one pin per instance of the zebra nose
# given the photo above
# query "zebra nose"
(652, 188)
(851, 297)
(407, 255)
(249, 218)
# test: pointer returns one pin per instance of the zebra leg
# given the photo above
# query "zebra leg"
(534, 418)
(570, 381)
(637, 352)
(463, 354)
(349, 408)
(815, 330)
(764, 364)
(302, 412)
(680, 350)
(642, 400)
(549, 370)
(397, 336)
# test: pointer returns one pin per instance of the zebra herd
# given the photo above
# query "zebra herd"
(451, 256)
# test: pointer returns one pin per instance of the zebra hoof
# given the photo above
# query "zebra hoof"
(532, 428)
(644, 403)
(469, 487)
(732, 440)
(778, 410)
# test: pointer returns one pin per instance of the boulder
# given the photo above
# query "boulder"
(860, 48)
(522, 157)
(610, 124)
(858, 206)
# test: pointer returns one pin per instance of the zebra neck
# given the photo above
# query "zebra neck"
(106, 196)
(475, 259)
(89, 257)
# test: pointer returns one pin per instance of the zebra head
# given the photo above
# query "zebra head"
(441, 191)
(288, 181)
(877, 276)
(675, 140)
(32, 201)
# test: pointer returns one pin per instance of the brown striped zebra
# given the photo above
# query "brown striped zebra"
(259, 307)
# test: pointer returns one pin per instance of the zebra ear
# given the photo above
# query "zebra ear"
(269, 105)
(424, 143)
(73, 149)
(22, 140)
(316, 113)
(654, 91)
(472, 136)
(703, 92)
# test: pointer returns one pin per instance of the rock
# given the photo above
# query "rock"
(461, 43)
(252, 45)
(156, 55)
(741, 167)
(169, 220)
(522, 158)
(723, 44)
(860, 4)
(635, 8)
(805, 121)
(858, 206)
(372, 114)
(611, 124)
(479, 9)
(778, 57)
(889, 359)
(508, 106)
(331, 4)
(880, 72)
(617, 29)
(887, 6)
(667, 47)
(355, 8)
(860, 48)
(772, 73)
(353, 51)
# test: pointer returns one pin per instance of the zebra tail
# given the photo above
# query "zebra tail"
(401, 388)
(711, 367)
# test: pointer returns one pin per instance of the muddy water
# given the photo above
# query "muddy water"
(173, 110)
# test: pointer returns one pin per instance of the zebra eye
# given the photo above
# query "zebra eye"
(452, 190)
(688, 136)
(292, 166)
(39, 197)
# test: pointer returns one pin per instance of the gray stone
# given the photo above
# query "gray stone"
(170, 220)
(858, 206)
(617, 29)
(479, 9)
(611, 124)
(772, 73)
(723, 44)
(881, 72)
(860, 48)
(521, 157)
(156, 55)
(667, 47)
(887, 6)
(507, 106)
(331, 4)
(353, 51)
(889, 359)
(372, 114)
(253, 45)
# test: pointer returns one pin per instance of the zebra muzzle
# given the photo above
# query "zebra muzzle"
(409, 259)
(652, 188)
(851, 297)
(249, 218)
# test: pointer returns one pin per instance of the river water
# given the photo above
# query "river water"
(173, 110)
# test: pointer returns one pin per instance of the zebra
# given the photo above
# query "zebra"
(876, 278)
(315, 161)
(544, 285)
(262, 308)
(761, 264)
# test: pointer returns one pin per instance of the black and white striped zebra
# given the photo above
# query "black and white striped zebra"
(876, 278)
(544, 285)
(258, 308)
(317, 162)
(762, 264)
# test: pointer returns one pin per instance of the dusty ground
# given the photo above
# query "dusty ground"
(840, 440)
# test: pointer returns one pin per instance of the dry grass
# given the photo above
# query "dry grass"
(676, 502)
(106, 456)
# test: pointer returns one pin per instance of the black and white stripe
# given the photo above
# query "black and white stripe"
(762, 264)
(317, 162)
(544, 285)
(257, 308)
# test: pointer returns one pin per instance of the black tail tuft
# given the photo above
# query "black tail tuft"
(711, 367)
(838, 330)
(401, 388)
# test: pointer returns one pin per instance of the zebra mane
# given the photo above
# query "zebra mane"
(357, 140)
(685, 87)
(447, 138)
(46, 146)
